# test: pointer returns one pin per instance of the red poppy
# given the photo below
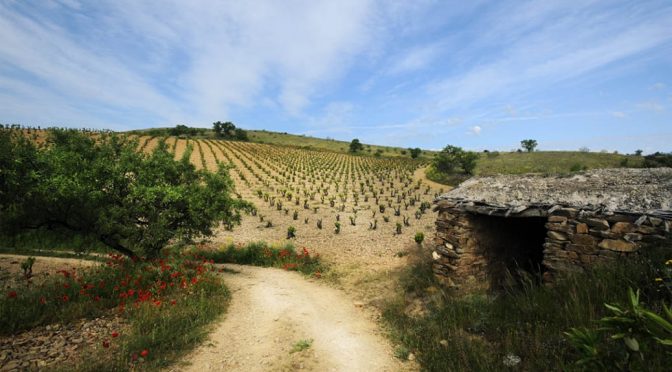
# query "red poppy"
(144, 353)
(11, 294)
(43, 300)
(134, 357)
(106, 344)
(115, 334)
(97, 298)
(66, 298)
(173, 302)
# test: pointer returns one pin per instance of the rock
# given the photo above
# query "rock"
(435, 255)
(633, 237)
(598, 223)
(582, 228)
(557, 235)
(646, 229)
(655, 221)
(557, 219)
(443, 343)
(622, 227)
(584, 239)
(411, 357)
(618, 245)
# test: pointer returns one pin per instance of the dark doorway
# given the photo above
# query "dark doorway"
(513, 247)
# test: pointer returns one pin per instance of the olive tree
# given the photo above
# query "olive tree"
(103, 189)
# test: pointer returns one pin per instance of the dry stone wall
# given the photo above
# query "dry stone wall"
(575, 240)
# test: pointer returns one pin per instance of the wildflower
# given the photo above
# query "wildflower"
(144, 353)
(157, 303)
(658, 280)
(66, 285)
(173, 302)
(43, 300)
(318, 274)
(11, 294)
(134, 357)
(194, 280)
(106, 344)
(97, 298)
(115, 334)
(65, 298)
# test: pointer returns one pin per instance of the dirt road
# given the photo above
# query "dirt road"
(419, 174)
(272, 310)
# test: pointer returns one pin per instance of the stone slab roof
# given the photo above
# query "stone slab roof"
(622, 190)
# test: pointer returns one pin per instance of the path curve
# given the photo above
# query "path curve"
(420, 174)
(272, 309)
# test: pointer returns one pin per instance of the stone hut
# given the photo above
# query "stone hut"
(494, 229)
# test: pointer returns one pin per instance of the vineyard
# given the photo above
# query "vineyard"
(340, 205)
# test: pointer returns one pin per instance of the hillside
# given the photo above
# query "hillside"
(546, 162)
(303, 141)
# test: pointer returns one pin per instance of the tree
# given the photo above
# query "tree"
(240, 135)
(448, 159)
(104, 189)
(638, 152)
(355, 145)
(452, 157)
(415, 152)
(528, 144)
(224, 130)
(468, 161)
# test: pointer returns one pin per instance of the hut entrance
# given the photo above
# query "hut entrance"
(512, 246)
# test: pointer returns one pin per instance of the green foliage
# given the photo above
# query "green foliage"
(227, 130)
(419, 237)
(658, 159)
(453, 157)
(415, 152)
(291, 232)
(183, 130)
(27, 266)
(355, 146)
(301, 345)
(105, 190)
(527, 322)
(641, 331)
(265, 255)
(528, 144)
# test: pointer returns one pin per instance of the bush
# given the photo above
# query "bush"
(419, 237)
(452, 157)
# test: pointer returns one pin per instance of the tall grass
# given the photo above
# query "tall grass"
(480, 330)
(265, 255)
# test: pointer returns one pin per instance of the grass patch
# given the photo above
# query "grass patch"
(301, 345)
(483, 332)
(166, 303)
(552, 162)
(265, 255)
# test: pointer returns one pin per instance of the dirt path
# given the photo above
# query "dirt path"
(419, 174)
(271, 310)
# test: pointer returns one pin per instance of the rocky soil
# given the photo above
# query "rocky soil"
(55, 344)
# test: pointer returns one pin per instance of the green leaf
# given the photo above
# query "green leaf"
(631, 343)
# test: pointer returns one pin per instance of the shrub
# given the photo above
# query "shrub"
(419, 237)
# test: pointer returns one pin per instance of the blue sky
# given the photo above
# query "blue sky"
(477, 74)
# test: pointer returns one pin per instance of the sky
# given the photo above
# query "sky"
(475, 74)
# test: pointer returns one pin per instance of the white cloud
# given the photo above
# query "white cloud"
(475, 130)
(189, 61)
(619, 114)
(415, 58)
(658, 86)
(651, 106)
